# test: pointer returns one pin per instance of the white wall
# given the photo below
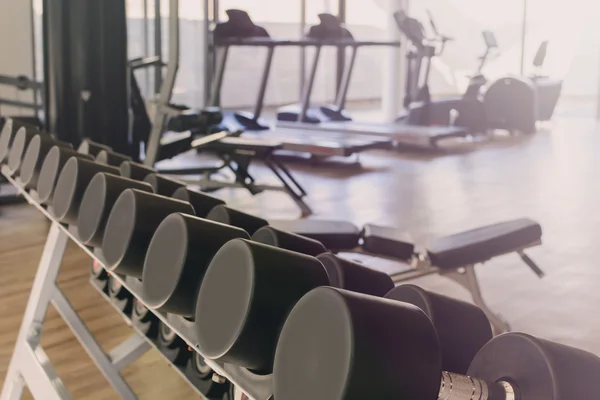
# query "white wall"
(15, 49)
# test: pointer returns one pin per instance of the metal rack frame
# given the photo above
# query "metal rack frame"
(29, 365)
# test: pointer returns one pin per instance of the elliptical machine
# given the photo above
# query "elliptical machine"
(510, 103)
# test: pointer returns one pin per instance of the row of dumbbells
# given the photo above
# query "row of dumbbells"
(273, 309)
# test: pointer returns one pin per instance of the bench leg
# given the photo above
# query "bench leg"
(466, 277)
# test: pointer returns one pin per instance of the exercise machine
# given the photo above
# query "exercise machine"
(240, 31)
(509, 103)
(548, 89)
(333, 119)
(236, 154)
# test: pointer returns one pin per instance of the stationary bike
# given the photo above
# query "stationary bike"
(509, 103)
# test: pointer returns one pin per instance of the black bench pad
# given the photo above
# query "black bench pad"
(481, 244)
(386, 241)
(245, 146)
(335, 235)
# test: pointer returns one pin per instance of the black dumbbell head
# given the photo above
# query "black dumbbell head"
(7, 136)
(92, 148)
(111, 158)
(39, 147)
(201, 202)
(463, 328)
(71, 184)
(246, 293)
(337, 344)
(133, 170)
(177, 258)
(18, 147)
(289, 241)
(229, 216)
(350, 275)
(163, 185)
(131, 225)
(538, 368)
(97, 202)
(51, 168)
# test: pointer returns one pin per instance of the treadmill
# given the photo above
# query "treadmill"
(240, 30)
(333, 118)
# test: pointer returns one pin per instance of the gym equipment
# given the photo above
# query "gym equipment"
(450, 317)
(111, 158)
(30, 366)
(133, 170)
(547, 89)
(39, 147)
(163, 185)
(240, 31)
(336, 344)
(226, 215)
(120, 296)
(245, 295)
(453, 256)
(201, 202)
(200, 374)
(351, 275)
(289, 241)
(171, 345)
(333, 119)
(71, 184)
(177, 258)
(17, 148)
(509, 103)
(92, 148)
(99, 277)
(97, 201)
(51, 168)
(130, 226)
(144, 320)
(9, 131)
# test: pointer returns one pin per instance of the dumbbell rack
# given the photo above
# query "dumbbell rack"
(29, 365)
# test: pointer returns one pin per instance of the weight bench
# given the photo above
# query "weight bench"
(453, 256)
(236, 154)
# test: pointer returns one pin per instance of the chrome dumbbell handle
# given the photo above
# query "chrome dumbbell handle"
(461, 387)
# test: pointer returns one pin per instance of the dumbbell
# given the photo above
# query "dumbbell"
(97, 201)
(171, 345)
(201, 202)
(200, 375)
(131, 224)
(229, 216)
(99, 276)
(74, 178)
(247, 291)
(8, 134)
(120, 296)
(144, 319)
(108, 157)
(289, 241)
(342, 273)
(34, 156)
(20, 143)
(50, 170)
(337, 344)
(133, 170)
(92, 148)
(163, 185)
(178, 255)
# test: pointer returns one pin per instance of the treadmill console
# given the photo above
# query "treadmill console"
(411, 28)
(239, 25)
(329, 28)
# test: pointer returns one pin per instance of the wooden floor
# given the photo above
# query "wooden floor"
(551, 177)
